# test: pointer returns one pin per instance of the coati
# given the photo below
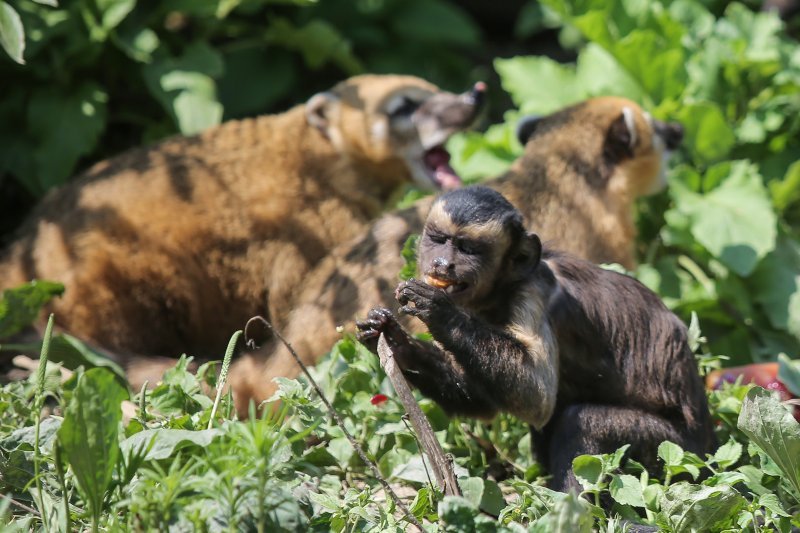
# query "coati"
(581, 171)
(170, 248)
(590, 358)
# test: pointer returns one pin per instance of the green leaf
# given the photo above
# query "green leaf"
(539, 84)
(696, 508)
(727, 454)
(163, 443)
(12, 34)
(112, 12)
(773, 428)
(409, 254)
(21, 305)
(627, 490)
(786, 191)
(735, 221)
(670, 453)
(660, 70)
(775, 285)
(66, 125)
(88, 435)
(458, 512)
(708, 135)
(569, 514)
(601, 74)
(186, 88)
(483, 493)
(589, 471)
(789, 373)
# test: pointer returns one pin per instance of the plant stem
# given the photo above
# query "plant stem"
(223, 375)
(38, 403)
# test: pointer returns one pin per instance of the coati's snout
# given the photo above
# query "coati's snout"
(670, 132)
(396, 126)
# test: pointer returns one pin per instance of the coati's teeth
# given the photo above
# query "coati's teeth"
(450, 289)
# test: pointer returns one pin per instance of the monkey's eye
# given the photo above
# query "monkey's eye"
(437, 238)
(402, 107)
(470, 247)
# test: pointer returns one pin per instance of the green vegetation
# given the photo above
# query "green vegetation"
(723, 242)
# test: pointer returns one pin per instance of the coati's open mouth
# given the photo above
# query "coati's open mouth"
(437, 164)
(449, 286)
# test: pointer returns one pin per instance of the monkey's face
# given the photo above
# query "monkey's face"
(398, 124)
(470, 247)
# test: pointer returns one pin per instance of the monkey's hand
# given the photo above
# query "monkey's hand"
(429, 302)
(380, 320)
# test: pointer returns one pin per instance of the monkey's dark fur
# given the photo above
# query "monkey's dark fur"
(590, 358)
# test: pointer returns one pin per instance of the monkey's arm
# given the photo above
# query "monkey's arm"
(518, 363)
(433, 371)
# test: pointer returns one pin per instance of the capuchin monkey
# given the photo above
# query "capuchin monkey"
(590, 358)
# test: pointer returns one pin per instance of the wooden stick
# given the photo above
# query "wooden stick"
(442, 465)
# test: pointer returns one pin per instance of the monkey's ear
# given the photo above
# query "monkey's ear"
(622, 135)
(526, 126)
(526, 256)
(318, 109)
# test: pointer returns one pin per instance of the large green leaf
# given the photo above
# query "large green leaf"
(772, 427)
(12, 34)
(735, 221)
(776, 285)
(539, 84)
(697, 508)
(65, 125)
(186, 88)
(660, 70)
(708, 135)
(88, 435)
(21, 305)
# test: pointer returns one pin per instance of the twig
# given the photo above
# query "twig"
(339, 422)
(20, 505)
(442, 466)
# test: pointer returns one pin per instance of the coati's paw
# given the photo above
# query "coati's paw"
(427, 301)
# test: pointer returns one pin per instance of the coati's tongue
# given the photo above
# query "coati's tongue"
(438, 161)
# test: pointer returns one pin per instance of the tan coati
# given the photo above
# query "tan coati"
(581, 171)
(590, 358)
(170, 248)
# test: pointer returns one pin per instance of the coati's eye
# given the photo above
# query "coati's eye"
(402, 107)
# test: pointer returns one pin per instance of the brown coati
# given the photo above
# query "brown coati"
(170, 248)
(590, 358)
(581, 171)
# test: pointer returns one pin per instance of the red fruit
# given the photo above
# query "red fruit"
(378, 399)
(761, 374)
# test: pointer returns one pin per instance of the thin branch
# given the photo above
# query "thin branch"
(20, 505)
(410, 517)
(441, 464)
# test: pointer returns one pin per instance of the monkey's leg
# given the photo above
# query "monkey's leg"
(594, 429)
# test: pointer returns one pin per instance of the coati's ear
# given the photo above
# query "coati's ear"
(318, 109)
(622, 136)
(527, 255)
(526, 126)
